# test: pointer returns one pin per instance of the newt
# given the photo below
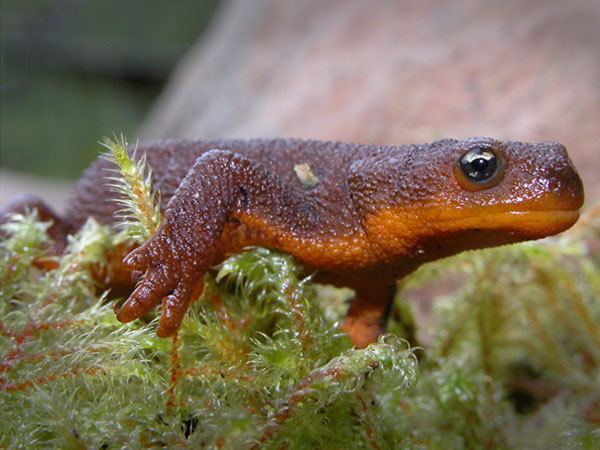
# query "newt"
(360, 216)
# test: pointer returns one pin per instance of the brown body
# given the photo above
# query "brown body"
(367, 216)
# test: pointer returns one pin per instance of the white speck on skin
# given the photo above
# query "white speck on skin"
(306, 175)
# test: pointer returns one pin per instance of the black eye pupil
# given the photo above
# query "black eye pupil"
(479, 164)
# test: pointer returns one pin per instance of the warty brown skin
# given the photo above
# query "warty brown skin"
(375, 214)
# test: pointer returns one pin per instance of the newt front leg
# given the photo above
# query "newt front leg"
(174, 260)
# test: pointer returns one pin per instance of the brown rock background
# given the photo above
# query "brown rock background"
(394, 72)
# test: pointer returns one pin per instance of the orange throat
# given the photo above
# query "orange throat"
(444, 231)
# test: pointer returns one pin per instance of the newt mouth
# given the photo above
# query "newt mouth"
(530, 224)
(451, 230)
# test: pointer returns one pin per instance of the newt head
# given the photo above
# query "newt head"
(476, 193)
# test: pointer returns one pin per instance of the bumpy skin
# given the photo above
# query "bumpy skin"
(376, 213)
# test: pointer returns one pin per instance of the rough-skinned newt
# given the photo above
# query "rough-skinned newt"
(360, 216)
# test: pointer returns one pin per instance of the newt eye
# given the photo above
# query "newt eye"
(480, 168)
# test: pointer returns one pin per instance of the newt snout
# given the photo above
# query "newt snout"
(553, 190)
(565, 188)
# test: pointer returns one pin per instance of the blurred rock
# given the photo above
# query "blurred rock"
(394, 72)
(54, 192)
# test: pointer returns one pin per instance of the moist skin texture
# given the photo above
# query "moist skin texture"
(363, 217)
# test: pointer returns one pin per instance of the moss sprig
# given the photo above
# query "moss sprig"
(132, 180)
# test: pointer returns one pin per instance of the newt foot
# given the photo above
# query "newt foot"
(165, 278)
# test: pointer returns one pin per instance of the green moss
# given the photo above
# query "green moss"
(140, 214)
